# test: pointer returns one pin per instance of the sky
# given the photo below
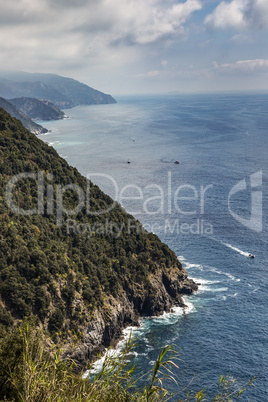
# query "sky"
(140, 46)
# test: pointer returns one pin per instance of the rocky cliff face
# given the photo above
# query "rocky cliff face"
(38, 109)
(164, 290)
(26, 121)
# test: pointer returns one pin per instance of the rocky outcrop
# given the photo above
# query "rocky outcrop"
(38, 109)
(26, 121)
(165, 290)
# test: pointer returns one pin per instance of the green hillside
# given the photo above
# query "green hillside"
(100, 282)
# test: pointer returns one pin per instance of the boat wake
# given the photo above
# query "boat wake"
(241, 252)
(245, 253)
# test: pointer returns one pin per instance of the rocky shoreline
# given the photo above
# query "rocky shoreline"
(105, 329)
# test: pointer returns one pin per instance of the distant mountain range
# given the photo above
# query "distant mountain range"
(26, 121)
(38, 96)
(63, 92)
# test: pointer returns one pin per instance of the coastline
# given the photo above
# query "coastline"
(226, 302)
(118, 344)
(107, 326)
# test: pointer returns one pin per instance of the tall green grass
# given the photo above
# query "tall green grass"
(32, 370)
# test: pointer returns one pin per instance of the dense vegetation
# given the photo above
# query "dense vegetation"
(58, 277)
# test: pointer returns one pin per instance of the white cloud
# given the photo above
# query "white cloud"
(107, 43)
(141, 22)
(56, 35)
(239, 14)
(138, 21)
(228, 15)
(153, 73)
(243, 66)
(257, 13)
(150, 74)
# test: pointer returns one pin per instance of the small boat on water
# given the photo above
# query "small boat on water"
(251, 255)
(176, 162)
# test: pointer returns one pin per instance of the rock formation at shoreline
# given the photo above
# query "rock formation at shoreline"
(106, 327)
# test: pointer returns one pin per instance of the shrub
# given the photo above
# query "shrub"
(56, 321)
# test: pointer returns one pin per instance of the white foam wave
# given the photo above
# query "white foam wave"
(189, 266)
(204, 281)
(133, 331)
(190, 308)
(96, 367)
(225, 297)
(233, 278)
(219, 290)
(167, 318)
(136, 354)
(98, 364)
(174, 314)
(203, 284)
(204, 288)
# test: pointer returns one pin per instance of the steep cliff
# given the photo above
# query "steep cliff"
(68, 266)
(164, 290)
(38, 109)
(18, 114)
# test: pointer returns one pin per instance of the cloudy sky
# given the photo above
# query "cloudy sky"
(140, 46)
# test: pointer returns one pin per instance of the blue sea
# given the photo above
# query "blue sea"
(210, 208)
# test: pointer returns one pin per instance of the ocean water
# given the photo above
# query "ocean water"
(211, 209)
